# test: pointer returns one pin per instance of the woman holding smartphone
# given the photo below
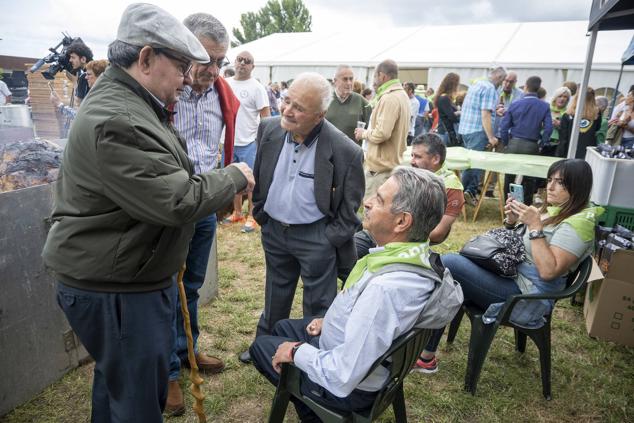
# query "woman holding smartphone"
(557, 238)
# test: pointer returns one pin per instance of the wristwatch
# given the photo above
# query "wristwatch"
(535, 234)
(294, 350)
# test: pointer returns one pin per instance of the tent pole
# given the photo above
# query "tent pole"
(581, 94)
(616, 92)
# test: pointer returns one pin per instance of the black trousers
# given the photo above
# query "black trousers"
(290, 252)
(130, 338)
(290, 330)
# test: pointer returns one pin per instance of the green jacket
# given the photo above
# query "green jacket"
(126, 200)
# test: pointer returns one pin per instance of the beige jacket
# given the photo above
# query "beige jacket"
(387, 136)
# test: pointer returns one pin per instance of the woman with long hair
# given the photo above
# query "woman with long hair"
(589, 124)
(558, 237)
(558, 106)
(448, 113)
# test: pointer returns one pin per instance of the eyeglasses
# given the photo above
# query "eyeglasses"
(185, 65)
(221, 62)
(243, 60)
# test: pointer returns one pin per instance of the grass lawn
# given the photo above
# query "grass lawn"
(591, 380)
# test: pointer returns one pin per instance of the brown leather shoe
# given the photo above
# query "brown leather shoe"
(207, 363)
(175, 404)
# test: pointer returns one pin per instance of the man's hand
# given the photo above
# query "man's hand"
(358, 134)
(55, 100)
(282, 355)
(246, 171)
(493, 141)
(314, 327)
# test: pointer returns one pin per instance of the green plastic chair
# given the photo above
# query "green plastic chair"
(399, 360)
(482, 334)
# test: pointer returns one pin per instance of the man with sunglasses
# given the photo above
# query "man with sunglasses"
(254, 104)
(203, 110)
(126, 203)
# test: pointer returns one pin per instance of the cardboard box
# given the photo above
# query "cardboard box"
(609, 304)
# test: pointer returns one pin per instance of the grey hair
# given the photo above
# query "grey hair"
(205, 25)
(422, 194)
(318, 82)
(559, 91)
(602, 102)
(340, 68)
(122, 54)
(499, 71)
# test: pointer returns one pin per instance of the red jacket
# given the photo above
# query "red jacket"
(229, 105)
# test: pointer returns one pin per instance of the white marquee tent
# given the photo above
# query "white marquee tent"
(553, 50)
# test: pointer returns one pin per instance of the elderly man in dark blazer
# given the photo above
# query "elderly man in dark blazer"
(309, 186)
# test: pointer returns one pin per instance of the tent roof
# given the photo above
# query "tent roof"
(609, 15)
(527, 44)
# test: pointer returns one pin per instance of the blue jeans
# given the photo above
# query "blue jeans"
(479, 286)
(129, 336)
(245, 154)
(471, 177)
(193, 280)
(627, 142)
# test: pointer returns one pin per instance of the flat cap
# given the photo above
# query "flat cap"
(144, 24)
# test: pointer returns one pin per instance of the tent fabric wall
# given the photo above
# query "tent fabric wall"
(604, 79)
(548, 49)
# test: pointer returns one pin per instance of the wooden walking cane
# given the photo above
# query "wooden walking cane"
(197, 381)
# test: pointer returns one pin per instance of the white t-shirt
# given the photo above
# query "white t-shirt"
(414, 105)
(4, 93)
(253, 98)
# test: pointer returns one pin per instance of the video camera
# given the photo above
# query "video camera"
(58, 60)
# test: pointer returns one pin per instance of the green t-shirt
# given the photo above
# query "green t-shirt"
(346, 115)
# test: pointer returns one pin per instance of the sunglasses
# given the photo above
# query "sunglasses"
(220, 62)
(184, 65)
(243, 60)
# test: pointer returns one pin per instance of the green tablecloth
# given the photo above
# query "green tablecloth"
(459, 158)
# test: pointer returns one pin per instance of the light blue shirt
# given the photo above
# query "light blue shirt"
(199, 120)
(291, 197)
(359, 327)
(481, 96)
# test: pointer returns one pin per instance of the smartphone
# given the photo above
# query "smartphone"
(517, 192)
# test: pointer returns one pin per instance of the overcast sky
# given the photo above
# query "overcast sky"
(29, 27)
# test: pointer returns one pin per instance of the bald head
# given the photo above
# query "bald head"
(385, 71)
(305, 104)
(509, 82)
(244, 65)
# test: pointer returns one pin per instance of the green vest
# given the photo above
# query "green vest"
(583, 222)
(449, 178)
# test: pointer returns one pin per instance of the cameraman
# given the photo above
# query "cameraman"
(78, 54)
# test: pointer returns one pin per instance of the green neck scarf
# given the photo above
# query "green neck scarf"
(583, 222)
(381, 90)
(555, 109)
(414, 253)
(449, 178)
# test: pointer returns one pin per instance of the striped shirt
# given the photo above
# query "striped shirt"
(481, 96)
(199, 120)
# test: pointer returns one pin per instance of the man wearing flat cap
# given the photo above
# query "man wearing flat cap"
(125, 206)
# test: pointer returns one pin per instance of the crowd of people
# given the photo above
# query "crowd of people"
(161, 142)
